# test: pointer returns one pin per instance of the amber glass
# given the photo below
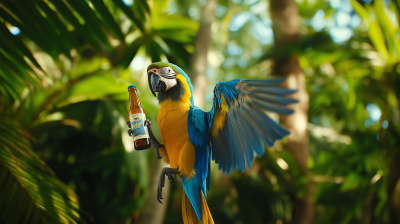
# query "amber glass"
(136, 108)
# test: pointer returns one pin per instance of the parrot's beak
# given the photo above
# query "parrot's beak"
(156, 84)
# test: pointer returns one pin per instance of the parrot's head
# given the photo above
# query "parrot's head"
(169, 81)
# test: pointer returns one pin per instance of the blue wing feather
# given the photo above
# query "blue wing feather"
(245, 128)
(197, 127)
(246, 125)
(246, 139)
(273, 91)
(264, 82)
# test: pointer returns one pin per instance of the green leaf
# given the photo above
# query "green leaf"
(44, 25)
(374, 30)
(138, 23)
(31, 191)
(388, 29)
(174, 22)
(131, 52)
(95, 87)
(67, 14)
(155, 51)
(351, 183)
(58, 25)
(18, 45)
(28, 25)
(108, 19)
(91, 21)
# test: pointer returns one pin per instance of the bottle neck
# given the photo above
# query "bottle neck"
(134, 98)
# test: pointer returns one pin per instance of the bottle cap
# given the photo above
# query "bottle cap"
(131, 86)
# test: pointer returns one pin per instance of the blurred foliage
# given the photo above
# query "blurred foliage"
(63, 107)
(354, 111)
(63, 81)
(30, 192)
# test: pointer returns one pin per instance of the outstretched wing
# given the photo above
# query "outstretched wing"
(234, 129)
(238, 123)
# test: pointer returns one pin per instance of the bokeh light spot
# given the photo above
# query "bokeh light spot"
(374, 112)
(342, 19)
(15, 30)
(234, 49)
(251, 2)
(259, 8)
(220, 10)
(128, 2)
(193, 12)
(355, 21)
(318, 22)
(239, 20)
(340, 34)
(335, 4)
(385, 124)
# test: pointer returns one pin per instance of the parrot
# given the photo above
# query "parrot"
(230, 134)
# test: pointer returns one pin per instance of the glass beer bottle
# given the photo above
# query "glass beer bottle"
(137, 118)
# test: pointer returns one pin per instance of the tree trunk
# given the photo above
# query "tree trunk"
(154, 212)
(285, 20)
(198, 61)
(393, 188)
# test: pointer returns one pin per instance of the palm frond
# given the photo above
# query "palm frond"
(57, 27)
(29, 191)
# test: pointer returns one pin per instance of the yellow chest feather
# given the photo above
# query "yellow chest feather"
(172, 121)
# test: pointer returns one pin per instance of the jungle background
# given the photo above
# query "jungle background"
(65, 155)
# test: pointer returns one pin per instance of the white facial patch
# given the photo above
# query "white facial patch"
(169, 82)
(168, 76)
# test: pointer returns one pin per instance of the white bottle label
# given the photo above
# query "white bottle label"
(139, 130)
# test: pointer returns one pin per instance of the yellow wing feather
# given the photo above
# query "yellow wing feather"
(219, 118)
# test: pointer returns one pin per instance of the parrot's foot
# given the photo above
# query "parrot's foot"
(161, 180)
(154, 142)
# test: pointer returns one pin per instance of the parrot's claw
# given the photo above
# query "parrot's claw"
(171, 180)
(154, 142)
(161, 180)
(130, 133)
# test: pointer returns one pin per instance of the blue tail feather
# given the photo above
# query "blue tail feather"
(198, 182)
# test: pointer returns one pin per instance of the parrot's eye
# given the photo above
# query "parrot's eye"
(169, 70)
(155, 70)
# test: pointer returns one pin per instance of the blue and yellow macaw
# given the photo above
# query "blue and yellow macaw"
(230, 133)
